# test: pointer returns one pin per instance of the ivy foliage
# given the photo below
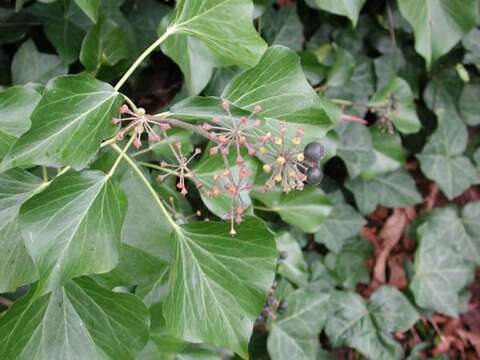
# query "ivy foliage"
(175, 249)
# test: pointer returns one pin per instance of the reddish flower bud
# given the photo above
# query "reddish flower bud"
(124, 109)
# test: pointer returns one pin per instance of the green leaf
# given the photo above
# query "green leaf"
(471, 43)
(90, 8)
(64, 25)
(218, 284)
(294, 334)
(441, 159)
(216, 23)
(277, 84)
(16, 106)
(389, 153)
(441, 273)
(398, 99)
(283, 27)
(355, 147)
(104, 44)
(342, 69)
(306, 209)
(16, 265)
(342, 223)
(73, 227)
(194, 59)
(352, 323)
(396, 189)
(29, 65)
(292, 265)
(79, 320)
(348, 8)
(438, 25)
(68, 124)
(468, 104)
(348, 267)
(391, 310)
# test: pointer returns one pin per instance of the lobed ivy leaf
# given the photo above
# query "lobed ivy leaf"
(348, 8)
(468, 104)
(440, 274)
(73, 227)
(72, 118)
(30, 65)
(342, 69)
(441, 159)
(438, 25)
(78, 320)
(294, 334)
(16, 105)
(218, 284)
(16, 265)
(395, 189)
(342, 223)
(306, 209)
(367, 327)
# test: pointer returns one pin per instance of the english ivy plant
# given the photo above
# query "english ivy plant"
(237, 179)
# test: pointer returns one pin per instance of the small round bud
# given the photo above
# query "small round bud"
(257, 109)
(226, 104)
(278, 141)
(314, 151)
(296, 140)
(263, 150)
(266, 168)
(278, 178)
(141, 111)
(314, 176)
(281, 160)
(300, 157)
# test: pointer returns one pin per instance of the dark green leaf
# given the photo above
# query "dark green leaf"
(292, 265)
(283, 27)
(90, 8)
(348, 8)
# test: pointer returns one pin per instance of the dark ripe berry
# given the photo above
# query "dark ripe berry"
(314, 176)
(314, 151)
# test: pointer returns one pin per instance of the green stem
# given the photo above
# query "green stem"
(149, 186)
(130, 102)
(44, 174)
(143, 55)
(120, 156)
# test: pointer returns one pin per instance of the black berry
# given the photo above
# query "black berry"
(314, 151)
(314, 176)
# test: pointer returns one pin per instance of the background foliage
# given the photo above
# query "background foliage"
(378, 261)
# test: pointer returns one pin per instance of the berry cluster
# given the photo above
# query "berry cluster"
(272, 306)
(288, 164)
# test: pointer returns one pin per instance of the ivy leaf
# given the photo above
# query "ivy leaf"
(294, 334)
(283, 27)
(468, 104)
(355, 147)
(306, 209)
(342, 69)
(30, 65)
(233, 20)
(90, 8)
(16, 106)
(68, 124)
(277, 84)
(391, 310)
(348, 267)
(352, 323)
(292, 265)
(389, 153)
(79, 318)
(441, 159)
(218, 285)
(348, 8)
(400, 106)
(471, 44)
(104, 44)
(395, 189)
(438, 25)
(73, 227)
(16, 265)
(342, 223)
(441, 273)
(65, 26)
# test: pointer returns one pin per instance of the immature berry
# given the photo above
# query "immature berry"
(314, 176)
(314, 151)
